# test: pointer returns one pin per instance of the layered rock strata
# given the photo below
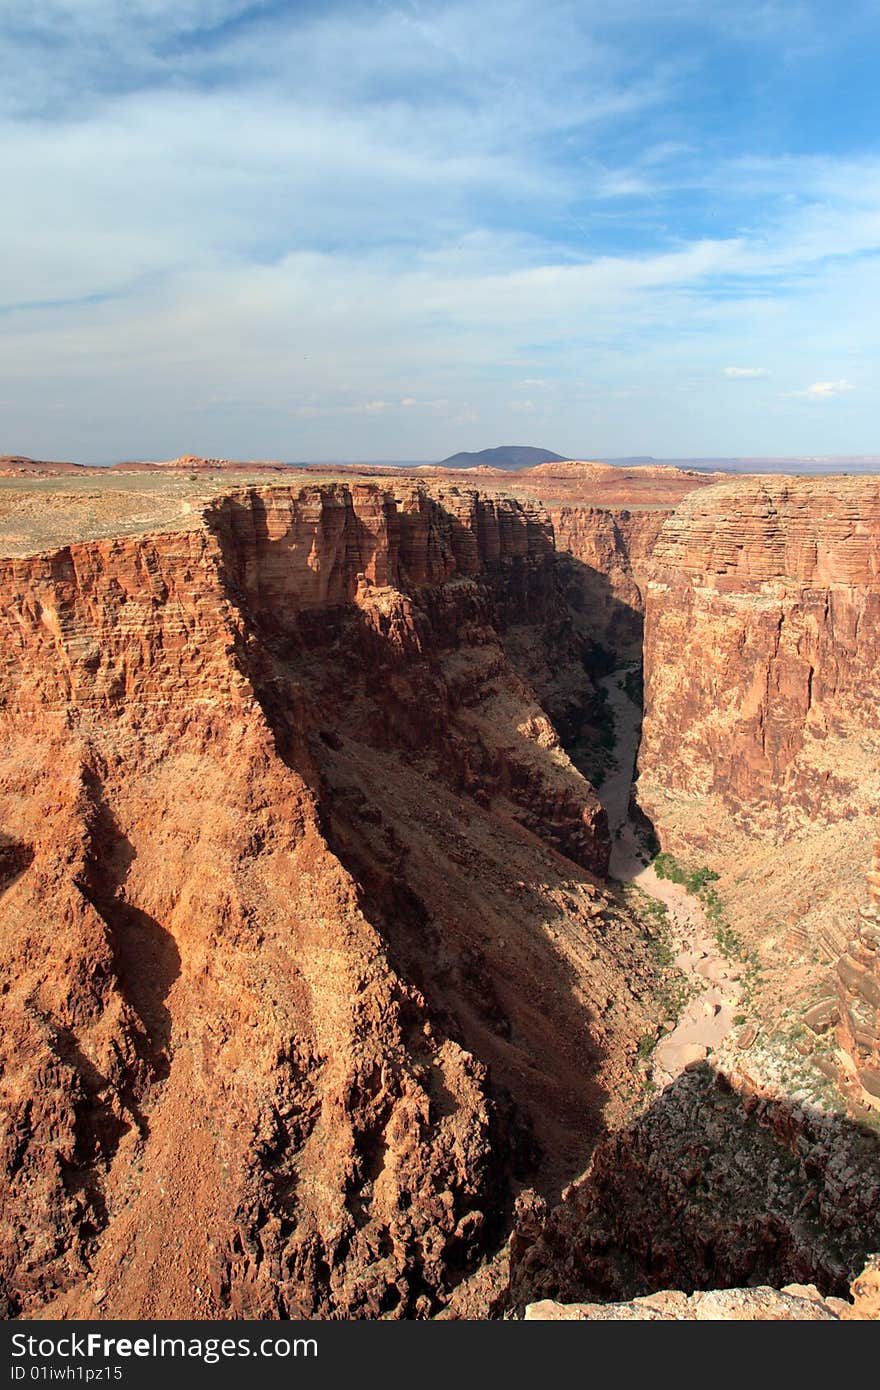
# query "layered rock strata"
(761, 649)
(759, 755)
(306, 965)
(604, 562)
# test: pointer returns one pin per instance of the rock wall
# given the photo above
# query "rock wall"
(761, 650)
(604, 561)
(306, 966)
(441, 603)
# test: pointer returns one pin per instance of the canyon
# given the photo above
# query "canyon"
(312, 805)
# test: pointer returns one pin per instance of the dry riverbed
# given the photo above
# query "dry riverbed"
(708, 1018)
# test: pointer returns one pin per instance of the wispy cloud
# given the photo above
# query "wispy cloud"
(822, 390)
(340, 226)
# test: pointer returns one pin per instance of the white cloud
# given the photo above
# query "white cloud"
(221, 227)
(821, 390)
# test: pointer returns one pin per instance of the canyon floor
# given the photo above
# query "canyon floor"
(343, 977)
(710, 978)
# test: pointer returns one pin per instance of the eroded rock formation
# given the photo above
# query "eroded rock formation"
(794, 1303)
(311, 965)
(760, 745)
(714, 1186)
(307, 962)
(762, 651)
(604, 561)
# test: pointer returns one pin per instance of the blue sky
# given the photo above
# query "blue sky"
(395, 230)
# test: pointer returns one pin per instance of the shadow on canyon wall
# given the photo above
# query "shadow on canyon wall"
(360, 707)
(15, 857)
(713, 1186)
(145, 955)
(491, 975)
(612, 629)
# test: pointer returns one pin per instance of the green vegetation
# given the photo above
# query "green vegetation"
(697, 881)
(593, 754)
(789, 1050)
(672, 990)
(633, 685)
(666, 866)
(729, 942)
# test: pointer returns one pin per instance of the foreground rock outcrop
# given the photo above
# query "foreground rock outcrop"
(308, 963)
(794, 1303)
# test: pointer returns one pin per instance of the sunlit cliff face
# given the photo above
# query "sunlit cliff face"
(304, 902)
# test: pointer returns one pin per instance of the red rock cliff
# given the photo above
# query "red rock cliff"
(761, 649)
(606, 576)
(302, 971)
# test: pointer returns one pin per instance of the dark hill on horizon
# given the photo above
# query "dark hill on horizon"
(511, 456)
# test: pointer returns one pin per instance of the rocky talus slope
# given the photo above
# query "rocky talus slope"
(308, 962)
(714, 1186)
(858, 984)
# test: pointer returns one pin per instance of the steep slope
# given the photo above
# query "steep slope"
(307, 964)
(716, 1185)
(858, 989)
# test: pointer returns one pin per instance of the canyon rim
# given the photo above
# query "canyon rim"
(439, 895)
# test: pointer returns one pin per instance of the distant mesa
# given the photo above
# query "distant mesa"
(782, 463)
(506, 456)
(195, 464)
(15, 465)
